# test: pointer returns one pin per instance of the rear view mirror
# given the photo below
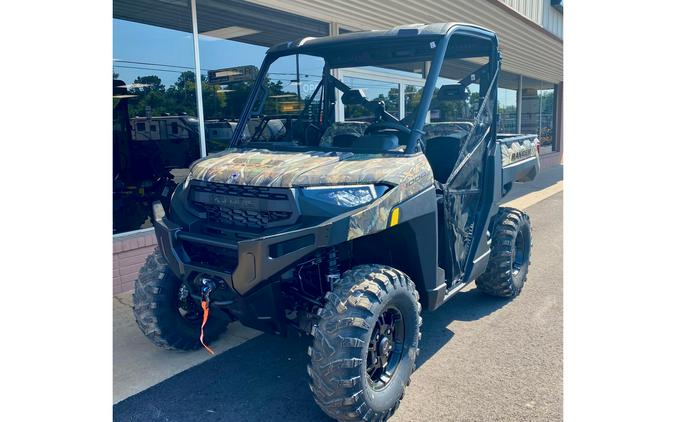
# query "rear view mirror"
(452, 92)
(354, 97)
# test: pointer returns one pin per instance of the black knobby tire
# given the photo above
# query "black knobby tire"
(506, 272)
(339, 380)
(157, 311)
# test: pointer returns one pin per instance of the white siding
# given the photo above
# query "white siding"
(531, 9)
(552, 21)
(540, 12)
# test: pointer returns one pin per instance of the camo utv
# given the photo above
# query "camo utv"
(346, 230)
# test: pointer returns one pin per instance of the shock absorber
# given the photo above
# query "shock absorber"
(333, 268)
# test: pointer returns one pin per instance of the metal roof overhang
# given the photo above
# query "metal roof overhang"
(526, 48)
(273, 26)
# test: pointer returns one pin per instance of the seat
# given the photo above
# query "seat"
(343, 134)
(442, 142)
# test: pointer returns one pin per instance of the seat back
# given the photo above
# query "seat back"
(343, 134)
(442, 142)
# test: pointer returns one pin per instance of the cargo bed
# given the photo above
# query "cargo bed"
(520, 158)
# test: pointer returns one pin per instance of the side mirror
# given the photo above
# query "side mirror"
(452, 92)
(354, 97)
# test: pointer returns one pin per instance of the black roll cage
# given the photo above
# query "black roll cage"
(453, 31)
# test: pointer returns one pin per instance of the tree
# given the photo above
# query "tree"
(147, 84)
(180, 97)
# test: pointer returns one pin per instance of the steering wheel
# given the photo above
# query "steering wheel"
(379, 126)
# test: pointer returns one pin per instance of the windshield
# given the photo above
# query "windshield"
(296, 104)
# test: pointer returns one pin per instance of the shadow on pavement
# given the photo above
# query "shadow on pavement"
(467, 305)
(548, 177)
(266, 378)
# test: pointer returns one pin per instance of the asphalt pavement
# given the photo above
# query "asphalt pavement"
(482, 359)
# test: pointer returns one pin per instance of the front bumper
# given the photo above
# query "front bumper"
(257, 259)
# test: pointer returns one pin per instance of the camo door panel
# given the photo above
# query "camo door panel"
(462, 191)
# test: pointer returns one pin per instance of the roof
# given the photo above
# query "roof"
(405, 33)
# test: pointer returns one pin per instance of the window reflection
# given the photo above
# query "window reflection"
(155, 131)
(457, 94)
(507, 107)
(538, 112)
(155, 125)
(413, 96)
(386, 92)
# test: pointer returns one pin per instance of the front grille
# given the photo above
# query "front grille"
(254, 219)
(250, 207)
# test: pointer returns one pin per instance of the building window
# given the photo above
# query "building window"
(538, 112)
(229, 69)
(507, 103)
(153, 92)
(155, 119)
(233, 39)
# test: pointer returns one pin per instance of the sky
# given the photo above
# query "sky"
(143, 44)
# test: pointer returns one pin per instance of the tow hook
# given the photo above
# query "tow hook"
(207, 287)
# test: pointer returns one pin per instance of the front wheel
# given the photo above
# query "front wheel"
(167, 321)
(365, 344)
(510, 256)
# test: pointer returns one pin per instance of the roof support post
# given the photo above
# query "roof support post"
(198, 79)
(333, 30)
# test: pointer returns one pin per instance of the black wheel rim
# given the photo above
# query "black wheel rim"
(518, 254)
(385, 349)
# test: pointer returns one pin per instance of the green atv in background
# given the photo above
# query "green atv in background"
(347, 230)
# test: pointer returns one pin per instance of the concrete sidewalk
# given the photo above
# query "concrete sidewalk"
(138, 364)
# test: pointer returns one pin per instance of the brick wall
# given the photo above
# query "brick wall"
(129, 253)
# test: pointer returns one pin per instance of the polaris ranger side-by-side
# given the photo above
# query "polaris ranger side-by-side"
(347, 230)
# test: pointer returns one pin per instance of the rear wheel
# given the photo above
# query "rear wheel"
(510, 256)
(170, 320)
(365, 344)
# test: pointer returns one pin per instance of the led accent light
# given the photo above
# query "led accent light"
(394, 217)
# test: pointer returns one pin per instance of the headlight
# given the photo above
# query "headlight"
(344, 196)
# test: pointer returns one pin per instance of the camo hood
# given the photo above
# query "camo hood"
(261, 167)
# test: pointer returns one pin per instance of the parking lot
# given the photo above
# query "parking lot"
(482, 358)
